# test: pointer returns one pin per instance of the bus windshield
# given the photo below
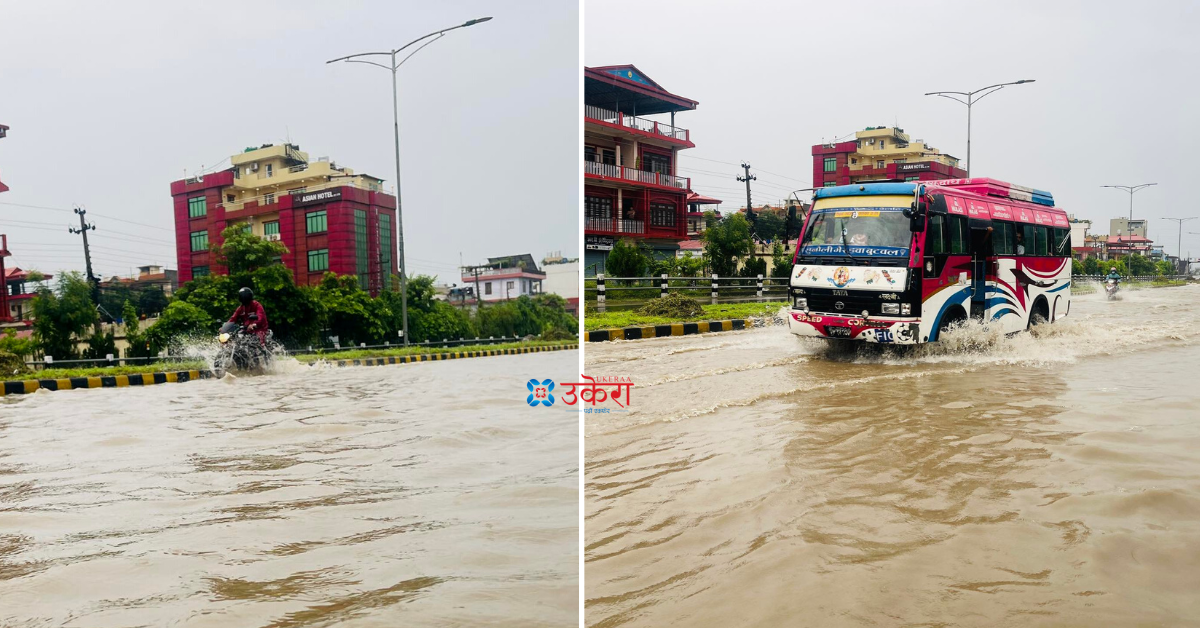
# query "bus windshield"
(869, 231)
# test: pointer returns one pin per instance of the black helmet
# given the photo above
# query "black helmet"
(245, 295)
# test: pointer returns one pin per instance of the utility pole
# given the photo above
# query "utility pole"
(1179, 239)
(85, 227)
(747, 179)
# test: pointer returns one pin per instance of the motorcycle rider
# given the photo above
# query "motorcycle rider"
(250, 315)
(1113, 276)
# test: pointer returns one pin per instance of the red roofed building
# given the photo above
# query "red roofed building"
(632, 186)
(16, 292)
(697, 205)
(1118, 246)
(504, 278)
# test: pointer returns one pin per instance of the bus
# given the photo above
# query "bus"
(902, 262)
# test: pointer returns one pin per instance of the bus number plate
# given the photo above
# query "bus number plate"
(838, 332)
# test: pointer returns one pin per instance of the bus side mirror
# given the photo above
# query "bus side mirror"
(916, 217)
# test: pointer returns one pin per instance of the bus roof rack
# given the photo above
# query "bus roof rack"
(993, 187)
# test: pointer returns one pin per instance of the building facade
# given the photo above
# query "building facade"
(632, 185)
(562, 278)
(329, 218)
(698, 205)
(505, 278)
(1127, 227)
(881, 154)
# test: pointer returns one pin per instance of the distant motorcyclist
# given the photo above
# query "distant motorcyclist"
(250, 315)
(1113, 276)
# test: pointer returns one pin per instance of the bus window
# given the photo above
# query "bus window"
(1024, 239)
(957, 228)
(1003, 238)
(1061, 245)
(1042, 245)
(935, 237)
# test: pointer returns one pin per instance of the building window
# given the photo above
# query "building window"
(385, 249)
(662, 215)
(879, 164)
(268, 198)
(270, 170)
(911, 178)
(316, 222)
(363, 265)
(271, 228)
(589, 154)
(831, 164)
(608, 156)
(508, 288)
(653, 162)
(854, 160)
(229, 198)
(199, 271)
(830, 184)
(882, 143)
(899, 161)
(199, 241)
(246, 228)
(318, 260)
(197, 207)
(487, 288)
(597, 207)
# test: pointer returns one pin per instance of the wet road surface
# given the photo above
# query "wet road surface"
(425, 494)
(761, 479)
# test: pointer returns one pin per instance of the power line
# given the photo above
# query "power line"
(60, 209)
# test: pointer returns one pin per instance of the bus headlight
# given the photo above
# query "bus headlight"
(906, 309)
(224, 338)
(891, 308)
(801, 303)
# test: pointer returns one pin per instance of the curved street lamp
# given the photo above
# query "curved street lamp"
(1131, 189)
(971, 98)
(393, 65)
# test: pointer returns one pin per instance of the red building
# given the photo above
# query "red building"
(330, 219)
(632, 187)
(881, 154)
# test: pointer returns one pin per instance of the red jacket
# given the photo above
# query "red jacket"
(241, 316)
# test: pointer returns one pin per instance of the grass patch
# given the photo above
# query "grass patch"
(721, 311)
(358, 354)
(104, 371)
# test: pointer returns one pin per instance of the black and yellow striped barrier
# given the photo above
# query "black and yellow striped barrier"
(20, 387)
(670, 329)
(105, 381)
(448, 355)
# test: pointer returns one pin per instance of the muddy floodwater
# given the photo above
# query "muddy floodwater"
(427, 494)
(1046, 479)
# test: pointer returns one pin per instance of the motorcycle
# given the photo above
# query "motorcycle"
(1111, 287)
(240, 350)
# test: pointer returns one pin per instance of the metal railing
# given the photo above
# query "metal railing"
(633, 174)
(633, 122)
(616, 225)
(330, 349)
(635, 291)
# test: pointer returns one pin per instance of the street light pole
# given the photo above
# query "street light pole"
(1131, 189)
(1179, 239)
(394, 66)
(971, 99)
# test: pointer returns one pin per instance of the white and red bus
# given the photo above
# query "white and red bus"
(901, 262)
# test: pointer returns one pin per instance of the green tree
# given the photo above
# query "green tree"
(62, 314)
(350, 313)
(769, 225)
(243, 252)
(112, 298)
(428, 318)
(21, 347)
(100, 345)
(692, 265)
(754, 267)
(1076, 267)
(138, 344)
(1139, 265)
(627, 259)
(725, 241)
(179, 321)
(1091, 266)
(1163, 267)
(215, 295)
(152, 301)
(294, 312)
(781, 261)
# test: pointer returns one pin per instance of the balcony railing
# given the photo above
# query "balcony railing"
(614, 225)
(633, 122)
(640, 176)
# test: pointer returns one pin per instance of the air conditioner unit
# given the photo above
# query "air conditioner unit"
(271, 237)
(254, 167)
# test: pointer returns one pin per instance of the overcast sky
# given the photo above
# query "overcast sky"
(110, 102)
(1115, 102)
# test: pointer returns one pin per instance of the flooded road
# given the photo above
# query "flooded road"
(1039, 480)
(428, 494)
